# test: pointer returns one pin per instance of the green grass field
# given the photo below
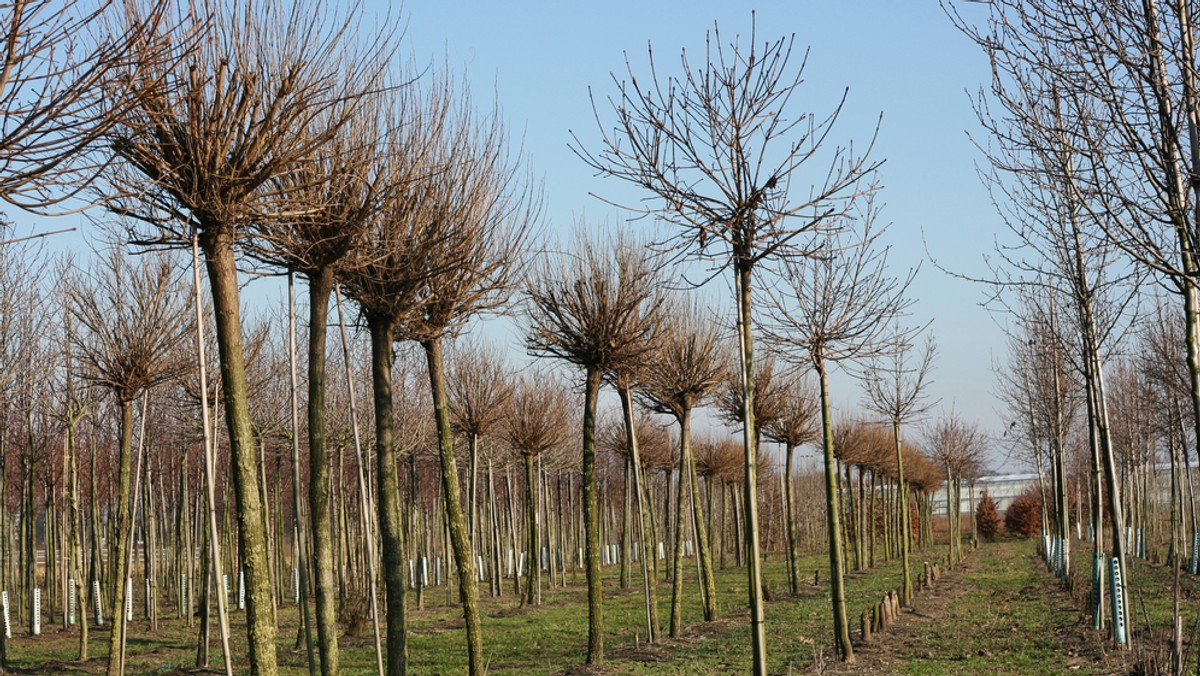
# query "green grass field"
(998, 613)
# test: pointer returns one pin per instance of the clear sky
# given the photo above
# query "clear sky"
(902, 59)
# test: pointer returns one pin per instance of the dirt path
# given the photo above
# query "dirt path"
(998, 612)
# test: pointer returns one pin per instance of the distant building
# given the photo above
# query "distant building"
(1003, 488)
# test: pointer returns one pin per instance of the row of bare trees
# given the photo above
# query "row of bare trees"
(1092, 118)
(291, 140)
(479, 378)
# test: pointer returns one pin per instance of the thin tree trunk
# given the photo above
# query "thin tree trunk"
(124, 529)
(591, 520)
(905, 530)
(300, 543)
(320, 287)
(645, 536)
(455, 519)
(790, 502)
(260, 610)
(368, 524)
(841, 627)
(391, 528)
(745, 323)
(533, 572)
(677, 549)
(75, 519)
(704, 553)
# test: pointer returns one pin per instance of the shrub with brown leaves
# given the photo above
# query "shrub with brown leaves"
(987, 517)
(1024, 515)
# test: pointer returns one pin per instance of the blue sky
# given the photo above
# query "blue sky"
(902, 59)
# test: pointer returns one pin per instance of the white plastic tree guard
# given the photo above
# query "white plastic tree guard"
(7, 620)
(99, 603)
(71, 601)
(1118, 601)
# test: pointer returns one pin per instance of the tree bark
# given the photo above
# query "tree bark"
(391, 529)
(790, 503)
(320, 286)
(125, 459)
(456, 521)
(75, 523)
(758, 641)
(591, 520)
(837, 566)
(905, 531)
(260, 610)
(533, 573)
(704, 554)
(645, 535)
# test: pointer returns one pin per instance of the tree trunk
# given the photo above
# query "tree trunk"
(677, 548)
(790, 502)
(841, 627)
(124, 527)
(626, 524)
(299, 540)
(456, 521)
(75, 520)
(391, 529)
(320, 286)
(905, 530)
(591, 520)
(703, 552)
(645, 530)
(260, 610)
(533, 571)
(745, 323)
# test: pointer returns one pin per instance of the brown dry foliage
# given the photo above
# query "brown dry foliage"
(688, 366)
(537, 418)
(596, 307)
(719, 458)
(1024, 515)
(987, 517)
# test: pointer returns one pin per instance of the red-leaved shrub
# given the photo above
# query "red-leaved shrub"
(1024, 515)
(987, 517)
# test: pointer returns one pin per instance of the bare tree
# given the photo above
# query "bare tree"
(835, 309)
(959, 446)
(536, 422)
(895, 388)
(725, 156)
(388, 279)
(596, 309)
(1108, 93)
(62, 88)
(794, 426)
(682, 374)
(75, 405)
(482, 210)
(478, 395)
(326, 207)
(134, 322)
(200, 155)
(1055, 144)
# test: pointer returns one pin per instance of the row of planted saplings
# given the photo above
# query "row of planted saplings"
(887, 609)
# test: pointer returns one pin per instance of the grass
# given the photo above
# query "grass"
(1006, 620)
(1007, 617)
